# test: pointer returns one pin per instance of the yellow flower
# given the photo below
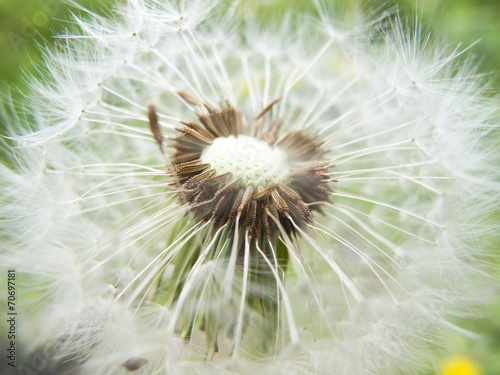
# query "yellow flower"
(460, 365)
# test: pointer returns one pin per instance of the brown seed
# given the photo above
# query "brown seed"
(155, 126)
(270, 210)
(267, 108)
(134, 364)
(188, 97)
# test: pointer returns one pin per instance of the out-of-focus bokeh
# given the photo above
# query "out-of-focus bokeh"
(26, 24)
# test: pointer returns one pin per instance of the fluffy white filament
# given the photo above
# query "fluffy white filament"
(90, 221)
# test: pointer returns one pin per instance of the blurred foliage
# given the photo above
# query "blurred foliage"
(26, 24)
(465, 22)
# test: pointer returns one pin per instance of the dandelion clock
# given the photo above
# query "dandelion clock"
(197, 188)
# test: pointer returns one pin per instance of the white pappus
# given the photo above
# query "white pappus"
(199, 188)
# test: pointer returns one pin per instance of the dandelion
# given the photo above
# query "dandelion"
(459, 365)
(196, 190)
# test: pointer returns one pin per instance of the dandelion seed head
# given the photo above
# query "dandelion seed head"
(270, 181)
(200, 192)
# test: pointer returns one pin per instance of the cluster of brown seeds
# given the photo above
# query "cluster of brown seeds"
(222, 200)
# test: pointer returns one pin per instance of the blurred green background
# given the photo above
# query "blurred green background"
(26, 24)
